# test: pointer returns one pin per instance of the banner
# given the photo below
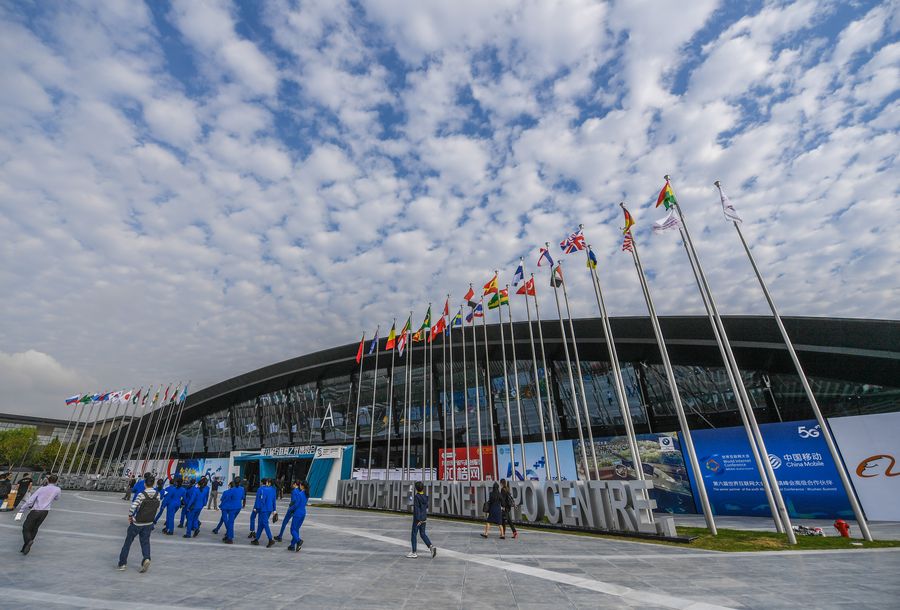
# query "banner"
(457, 468)
(799, 456)
(870, 445)
(663, 464)
(138, 468)
(396, 474)
(536, 462)
(203, 467)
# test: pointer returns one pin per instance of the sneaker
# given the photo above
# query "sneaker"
(122, 568)
(27, 548)
(411, 556)
(215, 532)
(433, 551)
(188, 535)
(278, 538)
(227, 540)
(270, 544)
(145, 565)
(292, 548)
(196, 533)
(251, 535)
(515, 535)
(299, 544)
(483, 535)
(181, 525)
(254, 542)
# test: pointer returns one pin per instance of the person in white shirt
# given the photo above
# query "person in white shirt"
(39, 505)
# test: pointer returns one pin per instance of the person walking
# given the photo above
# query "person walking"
(254, 511)
(299, 498)
(141, 485)
(494, 511)
(189, 493)
(199, 502)
(265, 506)
(190, 505)
(420, 520)
(129, 488)
(214, 494)
(23, 486)
(38, 506)
(174, 499)
(5, 487)
(289, 513)
(232, 501)
(507, 504)
(140, 523)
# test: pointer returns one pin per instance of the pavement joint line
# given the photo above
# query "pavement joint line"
(27, 595)
(668, 601)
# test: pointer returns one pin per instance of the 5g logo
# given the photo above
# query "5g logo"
(808, 433)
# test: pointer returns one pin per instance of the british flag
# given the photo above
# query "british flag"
(573, 242)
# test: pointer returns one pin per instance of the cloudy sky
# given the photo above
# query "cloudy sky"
(194, 190)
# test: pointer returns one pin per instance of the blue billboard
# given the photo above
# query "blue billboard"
(806, 473)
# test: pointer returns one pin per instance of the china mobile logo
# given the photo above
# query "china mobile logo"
(877, 464)
(775, 461)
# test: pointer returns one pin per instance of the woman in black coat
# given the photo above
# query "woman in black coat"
(495, 510)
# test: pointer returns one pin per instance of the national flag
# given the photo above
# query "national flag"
(491, 286)
(669, 222)
(470, 296)
(545, 256)
(359, 351)
(96, 397)
(127, 395)
(501, 298)
(418, 336)
(556, 278)
(438, 328)
(404, 336)
(166, 397)
(591, 259)
(251, 427)
(156, 396)
(184, 393)
(446, 311)
(137, 396)
(527, 288)
(391, 339)
(629, 221)
(573, 242)
(628, 243)
(273, 428)
(477, 312)
(426, 323)
(374, 344)
(72, 400)
(519, 275)
(457, 321)
(666, 196)
(86, 399)
(730, 213)
(221, 425)
(115, 396)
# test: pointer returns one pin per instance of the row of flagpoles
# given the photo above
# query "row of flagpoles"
(673, 220)
(164, 408)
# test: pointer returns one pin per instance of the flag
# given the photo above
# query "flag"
(391, 339)
(556, 278)
(573, 242)
(628, 243)
(669, 222)
(457, 321)
(426, 323)
(72, 400)
(477, 312)
(156, 396)
(470, 296)
(273, 428)
(629, 221)
(527, 288)
(446, 311)
(501, 298)
(519, 276)
(438, 328)
(418, 336)
(491, 286)
(137, 396)
(374, 344)
(85, 399)
(730, 213)
(545, 256)
(666, 196)
(127, 395)
(251, 427)
(183, 396)
(404, 336)
(221, 425)
(591, 259)
(166, 397)
(359, 351)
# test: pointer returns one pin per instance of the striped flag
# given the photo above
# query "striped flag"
(628, 243)
(728, 209)
(668, 223)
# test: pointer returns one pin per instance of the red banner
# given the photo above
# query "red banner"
(458, 468)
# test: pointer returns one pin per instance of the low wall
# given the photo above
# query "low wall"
(595, 506)
(92, 482)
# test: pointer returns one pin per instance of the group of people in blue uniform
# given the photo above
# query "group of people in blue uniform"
(190, 497)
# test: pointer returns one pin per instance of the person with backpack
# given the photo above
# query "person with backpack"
(420, 517)
(265, 506)
(299, 498)
(174, 499)
(232, 501)
(506, 505)
(140, 523)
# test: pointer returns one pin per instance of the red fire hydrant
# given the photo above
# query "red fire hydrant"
(843, 527)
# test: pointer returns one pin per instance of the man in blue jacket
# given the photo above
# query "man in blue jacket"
(200, 501)
(190, 499)
(174, 498)
(140, 486)
(264, 507)
(290, 512)
(299, 498)
(230, 504)
(253, 511)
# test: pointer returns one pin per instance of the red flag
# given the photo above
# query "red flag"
(470, 297)
(437, 329)
(359, 351)
(527, 287)
(491, 286)
(447, 307)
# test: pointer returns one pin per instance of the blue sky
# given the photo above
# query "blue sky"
(190, 191)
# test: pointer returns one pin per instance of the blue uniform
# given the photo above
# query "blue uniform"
(199, 503)
(162, 503)
(264, 507)
(231, 503)
(173, 502)
(298, 504)
(190, 498)
(138, 488)
(253, 512)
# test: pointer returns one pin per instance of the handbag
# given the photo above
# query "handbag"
(486, 507)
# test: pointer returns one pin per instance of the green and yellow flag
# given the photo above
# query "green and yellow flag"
(500, 298)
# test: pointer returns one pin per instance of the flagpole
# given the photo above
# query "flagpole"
(462, 332)
(71, 438)
(121, 448)
(537, 384)
(404, 439)
(509, 426)
(550, 413)
(170, 420)
(135, 423)
(159, 419)
(99, 417)
(823, 424)
(390, 419)
(512, 342)
(562, 330)
(730, 363)
(488, 391)
(173, 443)
(372, 411)
(155, 411)
(81, 437)
(424, 387)
(358, 394)
(115, 443)
(431, 475)
(477, 398)
(65, 435)
(109, 434)
(452, 403)
(159, 434)
(407, 400)
(687, 441)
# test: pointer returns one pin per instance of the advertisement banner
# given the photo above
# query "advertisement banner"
(203, 467)
(803, 466)
(138, 468)
(870, 445)
(536, 462)
(457, 468)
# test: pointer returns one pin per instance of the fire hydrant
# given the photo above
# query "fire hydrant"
(843, 527)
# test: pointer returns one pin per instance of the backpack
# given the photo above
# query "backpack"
(146, 512)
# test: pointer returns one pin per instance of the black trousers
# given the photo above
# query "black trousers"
(32, 523)
(507, 521)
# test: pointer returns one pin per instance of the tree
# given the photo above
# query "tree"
(43, 456)
(15, 445)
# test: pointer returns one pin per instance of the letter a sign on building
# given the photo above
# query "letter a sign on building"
(328, 416)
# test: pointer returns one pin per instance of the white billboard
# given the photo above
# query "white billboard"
(870, 445)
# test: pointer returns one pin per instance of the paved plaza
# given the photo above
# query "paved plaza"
(353, 559)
